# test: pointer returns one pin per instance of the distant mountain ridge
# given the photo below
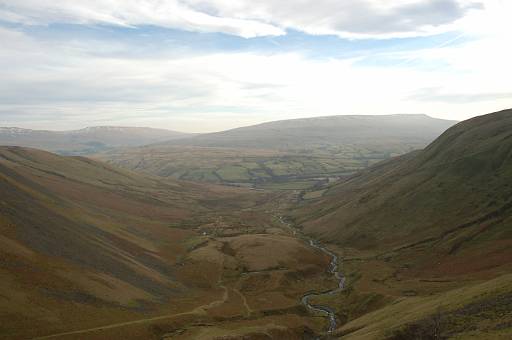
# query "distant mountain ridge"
(415, 130)
(306, 151)
(87, 140)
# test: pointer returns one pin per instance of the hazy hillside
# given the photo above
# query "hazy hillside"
(412, 130)
(425, 223)
(290, 154)
(91, 139)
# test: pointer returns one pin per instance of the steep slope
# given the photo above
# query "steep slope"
(461, 179)
(82, 243)
(421, 232)
(88, 251)
(86, 140)
(413, 130)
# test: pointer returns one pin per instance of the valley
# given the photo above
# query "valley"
(230, 299)
(110, 253)
(423, 237)
(262, 169)
(255, 170)
(409, 247)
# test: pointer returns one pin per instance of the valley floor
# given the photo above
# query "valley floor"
(251, 279)
(259, 279)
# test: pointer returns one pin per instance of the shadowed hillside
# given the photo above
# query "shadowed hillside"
(462, 180)
(426, 222)
(77, 236)
(90, 251)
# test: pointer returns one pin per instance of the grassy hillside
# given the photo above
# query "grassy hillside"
(463, 178)
(94, 252)
(90, 251)
(77, 233)
(290, 154)
(88, 140)
(424, 223)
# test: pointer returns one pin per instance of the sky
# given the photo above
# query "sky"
(210, 65)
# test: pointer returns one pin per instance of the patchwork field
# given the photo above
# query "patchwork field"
(282, 155)
(270, 169)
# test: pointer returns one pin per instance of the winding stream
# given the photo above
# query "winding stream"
(333, 269)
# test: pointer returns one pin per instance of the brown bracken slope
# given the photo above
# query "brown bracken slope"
(424, 224)
(456, 195)
(82, 243)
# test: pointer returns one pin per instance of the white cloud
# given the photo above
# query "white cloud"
(171, 14)
(62, 87)
(350, 18)
(51, 84)
(249, 18)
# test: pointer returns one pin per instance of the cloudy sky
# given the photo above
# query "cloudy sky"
(207, 65)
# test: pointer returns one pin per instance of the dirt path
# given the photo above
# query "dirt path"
(204, 308)
(244, 301)
(198, 310)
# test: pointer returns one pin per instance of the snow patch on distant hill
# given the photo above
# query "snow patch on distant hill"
(14, 131)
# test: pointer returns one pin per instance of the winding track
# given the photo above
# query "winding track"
(198, 310)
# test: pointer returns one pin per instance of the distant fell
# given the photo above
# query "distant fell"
(415, 130)
(90, 139)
